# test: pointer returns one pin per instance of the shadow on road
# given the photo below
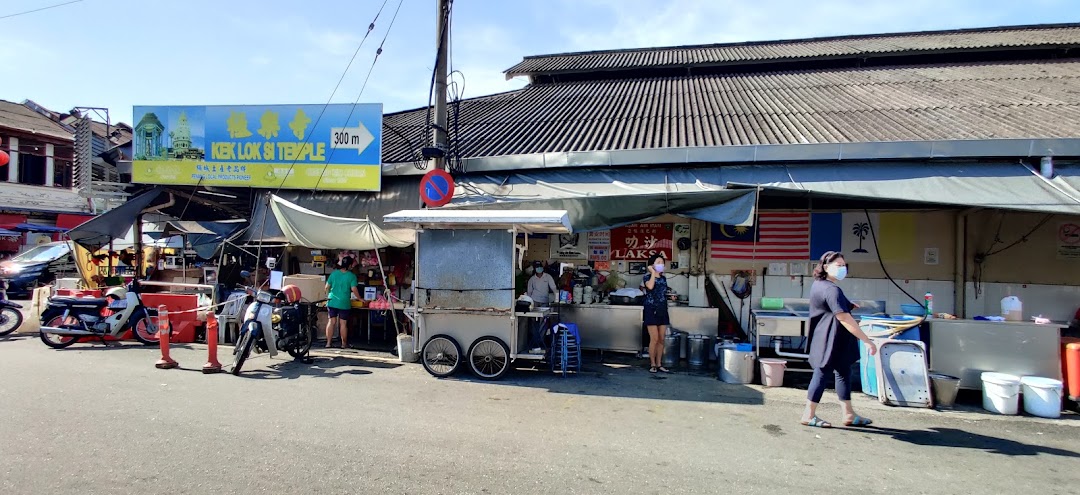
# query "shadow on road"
(320, 367)
(625, 377)
(960, 439)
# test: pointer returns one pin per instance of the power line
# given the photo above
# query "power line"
(362, 88)
(371, 27)
(322, 112)
(39, 9)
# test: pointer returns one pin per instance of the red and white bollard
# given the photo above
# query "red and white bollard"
(166, 362)
(212, 365)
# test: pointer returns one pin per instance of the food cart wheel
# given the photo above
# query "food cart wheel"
(441, 356)
(489, 358)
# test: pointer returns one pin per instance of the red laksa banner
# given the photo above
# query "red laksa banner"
(638, 241)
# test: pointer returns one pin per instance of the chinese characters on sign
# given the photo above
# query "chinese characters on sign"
(638, 241)
(600, 246)
(270, 146)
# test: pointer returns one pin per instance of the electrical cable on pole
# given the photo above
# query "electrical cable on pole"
(442, 27)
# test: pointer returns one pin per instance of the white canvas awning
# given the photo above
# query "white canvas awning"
(304, 227)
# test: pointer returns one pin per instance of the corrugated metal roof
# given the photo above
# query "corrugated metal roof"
(910, 103)
(1061, 35)
(19, 117)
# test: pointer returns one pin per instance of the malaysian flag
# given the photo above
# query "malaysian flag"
(779, 236)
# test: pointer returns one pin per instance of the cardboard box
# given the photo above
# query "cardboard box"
(312, 287)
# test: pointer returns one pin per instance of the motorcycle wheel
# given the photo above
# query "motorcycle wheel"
(145, 329)
(243, 350)
(51, 339)
(10, 319)
(301, 344)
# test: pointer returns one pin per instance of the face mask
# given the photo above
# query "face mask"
(658, 268)
(838, 272)
(539, 270)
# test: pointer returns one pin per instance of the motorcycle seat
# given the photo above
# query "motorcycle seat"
(81, 301)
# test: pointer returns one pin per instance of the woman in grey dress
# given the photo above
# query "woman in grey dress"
(834, 341)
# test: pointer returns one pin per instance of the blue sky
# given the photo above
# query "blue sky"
(120, 53)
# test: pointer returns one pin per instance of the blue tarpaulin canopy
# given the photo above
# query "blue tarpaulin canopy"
(33, 227)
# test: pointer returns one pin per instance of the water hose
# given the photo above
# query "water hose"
(892, 328)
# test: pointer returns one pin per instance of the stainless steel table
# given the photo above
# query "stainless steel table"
(966, 348)
(605, 327)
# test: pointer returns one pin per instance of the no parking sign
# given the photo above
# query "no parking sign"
(436, 188)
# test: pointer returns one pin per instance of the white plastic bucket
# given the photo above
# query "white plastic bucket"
(1042, 396)
(1001, 393)
(405, 349)
(772, 371)
(1012, 309)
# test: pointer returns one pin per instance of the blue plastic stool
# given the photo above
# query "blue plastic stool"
(566, 348)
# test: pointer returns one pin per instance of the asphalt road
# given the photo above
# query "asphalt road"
(91, 419)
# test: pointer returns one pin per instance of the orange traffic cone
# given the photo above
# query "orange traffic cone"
(165, 362)
(212, 365)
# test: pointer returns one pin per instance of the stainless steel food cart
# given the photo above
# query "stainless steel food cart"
(466, 262)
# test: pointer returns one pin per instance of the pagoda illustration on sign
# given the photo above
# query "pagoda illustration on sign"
(181, 142)
(148, 134)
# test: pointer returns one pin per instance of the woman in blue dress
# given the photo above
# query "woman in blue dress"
(655, 311)
(834, 341)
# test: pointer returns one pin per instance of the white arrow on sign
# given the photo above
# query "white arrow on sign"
(358, 138)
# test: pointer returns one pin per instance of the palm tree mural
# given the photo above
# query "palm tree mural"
(861, 230)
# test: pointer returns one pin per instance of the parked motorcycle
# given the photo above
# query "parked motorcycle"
(10, 316)
(274, 322)
(66, 320)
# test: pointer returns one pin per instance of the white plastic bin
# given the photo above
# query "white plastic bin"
(405, 349)
(1001, 393)
(1042, 396)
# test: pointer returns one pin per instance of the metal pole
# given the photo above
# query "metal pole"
(386, 289)
(136, 232)
(442, 36)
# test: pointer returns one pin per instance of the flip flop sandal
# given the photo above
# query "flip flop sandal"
(664, 370)
(816, 422)
(858, 421)
(652, 370)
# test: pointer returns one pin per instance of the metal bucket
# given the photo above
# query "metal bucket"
(736, 366)
(697, 351)
(945, 389)
(672, 345)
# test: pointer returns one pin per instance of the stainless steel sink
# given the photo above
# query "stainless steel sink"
(775, 313)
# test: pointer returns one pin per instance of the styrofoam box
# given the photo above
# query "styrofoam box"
(312, 287)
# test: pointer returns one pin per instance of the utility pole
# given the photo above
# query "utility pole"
(442, 37)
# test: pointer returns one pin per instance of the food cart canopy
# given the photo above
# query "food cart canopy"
(536, 221)
(304, 227)
(113, 224)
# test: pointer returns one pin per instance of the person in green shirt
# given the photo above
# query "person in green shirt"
(340, 285)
